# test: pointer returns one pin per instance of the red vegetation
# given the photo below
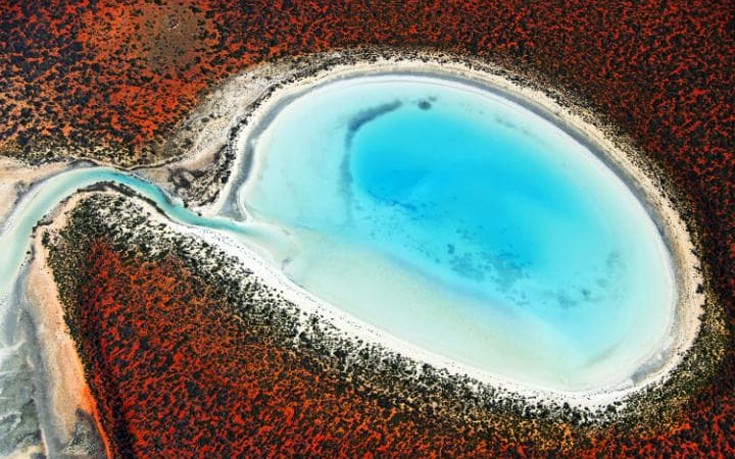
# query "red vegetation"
(177, 374)
(125, 73)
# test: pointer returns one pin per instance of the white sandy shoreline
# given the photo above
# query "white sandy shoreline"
(15, 179)
(685, 321)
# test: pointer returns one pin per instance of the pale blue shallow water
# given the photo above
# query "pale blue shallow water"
(15, 233)
(445, 215)
(465, 224)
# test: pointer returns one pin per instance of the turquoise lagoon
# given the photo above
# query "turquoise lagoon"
(464, 224)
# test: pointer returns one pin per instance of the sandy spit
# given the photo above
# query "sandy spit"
(63, 372)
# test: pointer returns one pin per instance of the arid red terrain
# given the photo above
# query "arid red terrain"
(177, 372)
(175, 376)
(198, 384)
